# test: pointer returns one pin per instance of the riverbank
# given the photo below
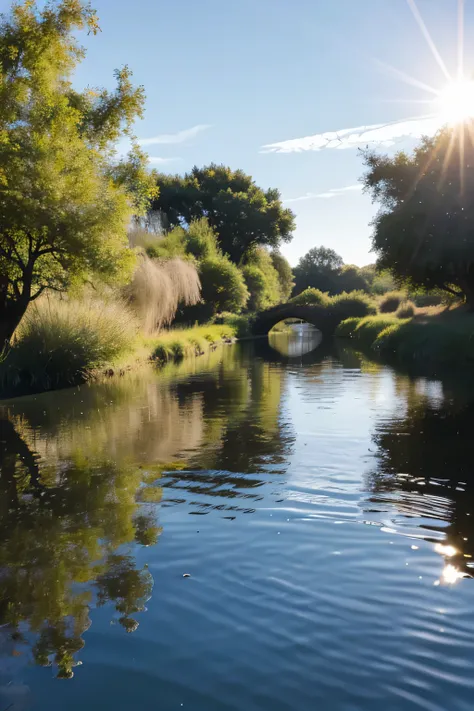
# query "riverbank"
(36, 366)
(440, 340)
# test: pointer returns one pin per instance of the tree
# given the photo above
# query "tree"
(262, 280)
(285, 275)
(64, 208)
(351, 278)
(242, 214)
(319, 268)
(424, 230)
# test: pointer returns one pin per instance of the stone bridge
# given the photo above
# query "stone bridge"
(323, 318)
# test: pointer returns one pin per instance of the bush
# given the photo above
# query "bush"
(311, 296)
(391, 301)
(354, 303)
(239, 323)
(405, 310)
(200, 240)
(347, 327)
(59, 343)
(427, 298)
(365, 330)
(223, 286)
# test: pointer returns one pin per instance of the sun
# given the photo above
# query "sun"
(455, 103)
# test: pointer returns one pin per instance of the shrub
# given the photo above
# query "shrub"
(60, 342)
(353, 304)
(239, 323)
(391, 301)
(427, 298)
(347, 327)
(200, 240)
(405, 310)
(311, 296)
(223, 286)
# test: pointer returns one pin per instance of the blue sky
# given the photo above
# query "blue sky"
(224, 80)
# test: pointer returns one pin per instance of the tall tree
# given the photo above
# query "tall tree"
(64, 208)
(319, 268)
(242, 214)
(424, 230)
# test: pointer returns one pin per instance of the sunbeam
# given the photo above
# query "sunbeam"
(421, 24)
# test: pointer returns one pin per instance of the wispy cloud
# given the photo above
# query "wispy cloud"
(158, 160)
(382, 134)
(178, 137)
(334, 192)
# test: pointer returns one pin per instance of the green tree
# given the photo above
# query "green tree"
(351, 278)
(424, 230)
(242, 214)
(319, 268)
(64, 206)
(262, 280)
(285, 275)
(222, 286)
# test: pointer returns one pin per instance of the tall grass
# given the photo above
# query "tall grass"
(159, 287)
(177, 344)
(59, 341)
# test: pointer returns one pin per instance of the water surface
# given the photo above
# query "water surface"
(321, 504)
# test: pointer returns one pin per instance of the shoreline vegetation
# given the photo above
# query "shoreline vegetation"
(428, 342)
(106, 263)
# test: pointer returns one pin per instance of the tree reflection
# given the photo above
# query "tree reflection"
(59, 529)
(81, 475)
(425, 458)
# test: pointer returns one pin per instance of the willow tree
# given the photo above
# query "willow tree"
(424, 230)
(64, 205)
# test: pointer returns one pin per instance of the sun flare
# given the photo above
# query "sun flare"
(455, 103)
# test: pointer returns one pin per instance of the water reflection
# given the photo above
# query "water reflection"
(423, 468)
(300, 339)
(271, 455)
(81, 475)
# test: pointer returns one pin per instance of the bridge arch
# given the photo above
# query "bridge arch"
(319, 316)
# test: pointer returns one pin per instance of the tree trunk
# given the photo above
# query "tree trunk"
(11, 314)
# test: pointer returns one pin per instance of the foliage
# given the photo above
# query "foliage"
(242, 214)
(311, 296)
(64, 208)
(443, 340)
(405, 310)
(382, 282)
(239, 323)
(223, 286)
(425, 225)
(285, 275)
(60, 341)
(262, 280)
(365, 330)
(319, 268)
(354, 303)
(158, 288)
(177, 344)
(351, 278)
(391, 301)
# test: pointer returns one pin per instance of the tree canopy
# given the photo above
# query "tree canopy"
(319, 268)
(242, 214)
(64, 206)
(424, 230)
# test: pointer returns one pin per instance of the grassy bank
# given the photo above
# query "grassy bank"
(430, 340)
(63, 343)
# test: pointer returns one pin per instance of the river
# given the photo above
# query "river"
(277, 526)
